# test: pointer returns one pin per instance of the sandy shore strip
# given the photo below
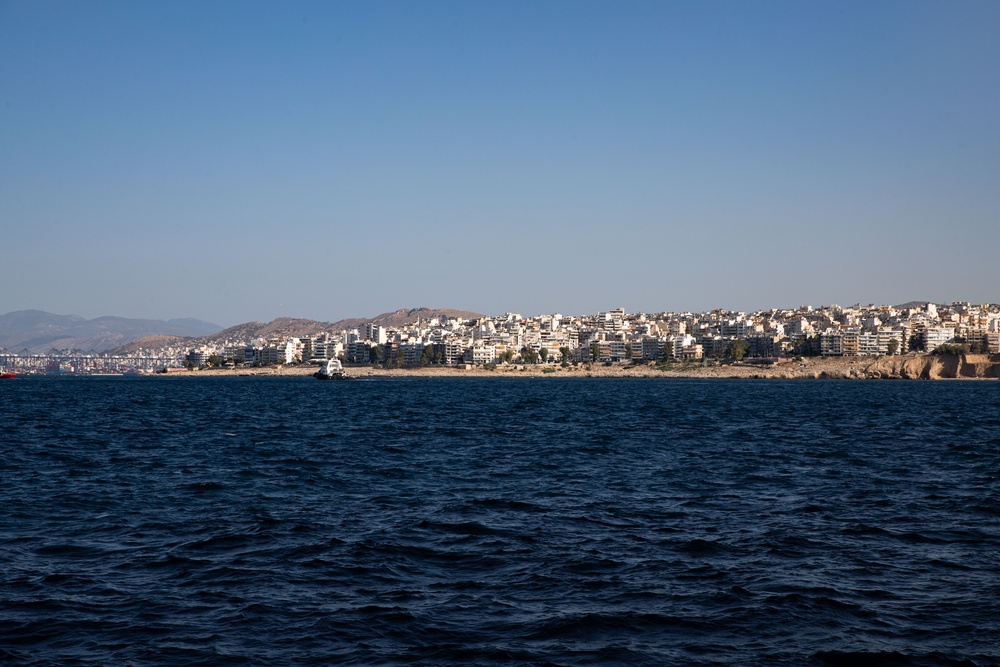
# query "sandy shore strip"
(898, 367)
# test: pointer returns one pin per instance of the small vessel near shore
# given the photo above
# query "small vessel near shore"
(7, 375)
(332, 370)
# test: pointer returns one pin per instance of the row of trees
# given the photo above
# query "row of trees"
(960, 346)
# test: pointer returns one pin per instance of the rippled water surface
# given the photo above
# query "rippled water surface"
(284, 521)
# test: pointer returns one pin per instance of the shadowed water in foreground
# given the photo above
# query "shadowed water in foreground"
(284, 521)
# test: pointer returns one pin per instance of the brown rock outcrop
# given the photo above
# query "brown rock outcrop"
(935, 367)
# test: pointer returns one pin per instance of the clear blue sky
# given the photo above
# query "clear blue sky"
(239, 161)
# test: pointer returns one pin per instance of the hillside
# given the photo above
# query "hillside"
(398, 318)
(282, 326)
(148, 343)
(290, 326)
(295, 327)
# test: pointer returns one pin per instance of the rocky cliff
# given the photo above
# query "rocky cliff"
(936, 367)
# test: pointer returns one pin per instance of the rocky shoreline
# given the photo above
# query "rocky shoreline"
(901, 367)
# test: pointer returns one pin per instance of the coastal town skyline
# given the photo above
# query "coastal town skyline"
(447, 338)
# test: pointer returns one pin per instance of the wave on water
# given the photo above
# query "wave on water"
(281, 521)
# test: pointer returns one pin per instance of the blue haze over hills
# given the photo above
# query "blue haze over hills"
(38, 332)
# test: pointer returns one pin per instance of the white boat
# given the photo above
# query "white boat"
(333, 370)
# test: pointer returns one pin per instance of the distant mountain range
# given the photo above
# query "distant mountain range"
(297, 327)
(38, 332)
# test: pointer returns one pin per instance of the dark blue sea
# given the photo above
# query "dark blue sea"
(431, 521)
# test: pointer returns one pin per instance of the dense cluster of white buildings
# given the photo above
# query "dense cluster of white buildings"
(607, 337)
(616, 336)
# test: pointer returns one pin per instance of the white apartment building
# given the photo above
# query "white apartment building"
(612, 320)
(375, 333)
(674, 345)
(279, 351)
(887, 335)
(931, 337)
(868, 344)
(482, 354)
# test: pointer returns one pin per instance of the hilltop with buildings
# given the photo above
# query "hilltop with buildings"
(423, 338)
